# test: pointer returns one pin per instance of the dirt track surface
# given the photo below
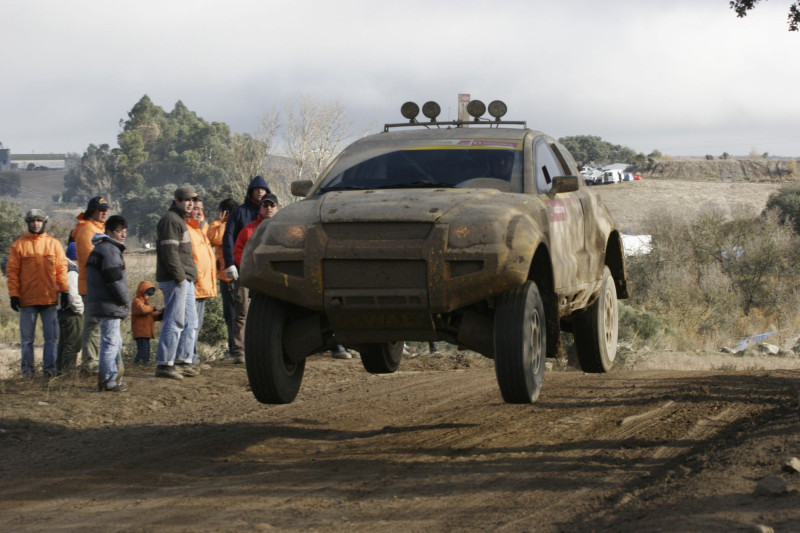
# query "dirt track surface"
(429, 448)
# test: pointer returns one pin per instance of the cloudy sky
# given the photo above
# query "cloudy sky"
(685, 77)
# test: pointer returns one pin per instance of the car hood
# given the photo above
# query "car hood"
(404, 205)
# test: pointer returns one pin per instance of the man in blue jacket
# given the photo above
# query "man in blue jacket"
(108, 299)
(238, 219)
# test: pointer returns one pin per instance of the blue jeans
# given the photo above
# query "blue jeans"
(187, 345)
(142, 350)
(110, 356)
(27, 327)
(179, 314)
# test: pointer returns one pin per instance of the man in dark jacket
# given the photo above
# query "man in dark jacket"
(238, 219)
(108, 298)
(175, 275)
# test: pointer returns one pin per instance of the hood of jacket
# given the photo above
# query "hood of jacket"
(256, 182)
(143, 286)
(98, 237)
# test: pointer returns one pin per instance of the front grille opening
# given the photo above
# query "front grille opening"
(290, 268)
(462, 268)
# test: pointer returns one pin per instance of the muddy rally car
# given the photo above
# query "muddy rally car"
(480, 233)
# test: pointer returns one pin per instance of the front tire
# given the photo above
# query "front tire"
(520, 343)
(273, 377)
(596, 329)
(382, 358)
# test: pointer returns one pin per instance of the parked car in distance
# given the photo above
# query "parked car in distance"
(479, 233)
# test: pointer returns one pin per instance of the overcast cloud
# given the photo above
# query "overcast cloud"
(685, 77)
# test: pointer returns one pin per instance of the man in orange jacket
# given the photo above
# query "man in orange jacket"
(204, 285)
(90, 222)
(37, 275)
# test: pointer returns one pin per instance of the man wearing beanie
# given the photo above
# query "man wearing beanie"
(70, 317)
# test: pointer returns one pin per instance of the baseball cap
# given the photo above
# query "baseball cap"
(185, 193)
(270, 198)
(98, 202)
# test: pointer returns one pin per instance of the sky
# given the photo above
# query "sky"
(685, 77)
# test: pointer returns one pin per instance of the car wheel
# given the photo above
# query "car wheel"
(382, 358)
(520, 343)
(595, 329)
(273, 377)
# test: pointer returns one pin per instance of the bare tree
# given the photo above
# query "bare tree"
(250, 153)
(315, 132)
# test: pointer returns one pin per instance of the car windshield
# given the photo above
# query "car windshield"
(434, 167)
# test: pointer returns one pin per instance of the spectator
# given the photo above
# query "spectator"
(215, 233)
(204, 286)
(108, 300)
(70, 318)
(90, 222)
(243, 215)
(269, 207)
(37, 274)
(143, 319)
(175, 275)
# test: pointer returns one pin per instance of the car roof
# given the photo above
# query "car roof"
(435, 133)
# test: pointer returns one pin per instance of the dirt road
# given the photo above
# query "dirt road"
(429, 448)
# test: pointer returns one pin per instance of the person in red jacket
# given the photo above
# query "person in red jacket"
(268, 208)
(37, 280)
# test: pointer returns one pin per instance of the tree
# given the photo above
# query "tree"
(315, 132)
(741, 7)
(12, 225)
(725, 155)
(709, 157)
(94, 176)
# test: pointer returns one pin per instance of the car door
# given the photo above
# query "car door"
(565, 220)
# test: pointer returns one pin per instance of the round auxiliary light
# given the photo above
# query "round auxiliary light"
(476, 108)
(431, 110)
(497, 109)
(409, 110)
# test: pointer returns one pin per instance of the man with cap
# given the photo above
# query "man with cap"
(175, 274)
(90, 222)
(70, 317)
(240, 217)
(37, 280)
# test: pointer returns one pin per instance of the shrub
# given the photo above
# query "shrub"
(637, 325)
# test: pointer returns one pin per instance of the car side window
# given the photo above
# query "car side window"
(547, 166)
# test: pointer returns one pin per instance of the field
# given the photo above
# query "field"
(667, 442)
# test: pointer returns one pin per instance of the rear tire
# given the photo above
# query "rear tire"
(596, 329)
(382, 358)
(520, 344)
(273, 377)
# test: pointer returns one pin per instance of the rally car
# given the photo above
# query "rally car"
(477, 232)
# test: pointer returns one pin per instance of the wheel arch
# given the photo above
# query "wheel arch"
(541, 273)
(615, 261)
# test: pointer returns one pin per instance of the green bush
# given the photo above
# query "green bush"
(214, 330)
(787, 204)
(637, 325)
